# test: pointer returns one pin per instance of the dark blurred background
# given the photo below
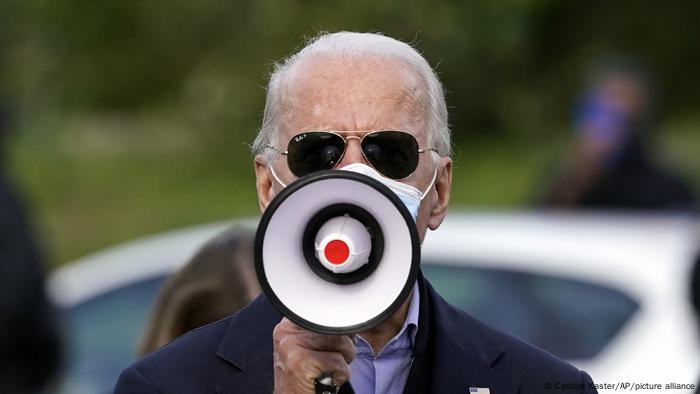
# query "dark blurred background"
(132, 117)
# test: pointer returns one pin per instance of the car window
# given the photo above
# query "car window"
(102, 334)
(572, 319)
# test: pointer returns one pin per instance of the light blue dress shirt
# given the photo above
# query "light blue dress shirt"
(386, 372)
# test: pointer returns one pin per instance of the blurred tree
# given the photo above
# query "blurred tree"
(507, 60)
(160, 95)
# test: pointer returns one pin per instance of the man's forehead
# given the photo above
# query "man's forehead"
(334, 71)
(371, 90)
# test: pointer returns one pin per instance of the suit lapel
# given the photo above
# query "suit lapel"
(455, 371)
(255, 378)
(453, 351)
(463, 353)
(249, 348)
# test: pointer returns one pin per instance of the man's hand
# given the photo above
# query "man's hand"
(302, 356)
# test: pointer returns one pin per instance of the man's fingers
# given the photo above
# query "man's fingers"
(328, 363)
(304, 366)
(302, 356)
(288, 334)
(330, 343)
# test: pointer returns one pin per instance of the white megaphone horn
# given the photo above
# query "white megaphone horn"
(337, 252)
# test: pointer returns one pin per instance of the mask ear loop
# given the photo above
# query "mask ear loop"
(430, 186)
(274, 175)
(432, 182)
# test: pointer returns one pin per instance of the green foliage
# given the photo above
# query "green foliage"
(133, 115)
(500, 60)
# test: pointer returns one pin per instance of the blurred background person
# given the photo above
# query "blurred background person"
(29, 338)
(695, 298)
(614, 163)
(217, 282)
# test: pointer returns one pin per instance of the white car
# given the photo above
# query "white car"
(609, 293)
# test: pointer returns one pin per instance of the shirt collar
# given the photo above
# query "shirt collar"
(407, 333)
(411, 322)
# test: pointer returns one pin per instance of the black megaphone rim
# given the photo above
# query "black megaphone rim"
(316, 177)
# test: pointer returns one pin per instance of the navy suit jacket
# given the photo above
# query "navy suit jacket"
(452, 353)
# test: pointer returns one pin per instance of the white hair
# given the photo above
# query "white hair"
(350, 44)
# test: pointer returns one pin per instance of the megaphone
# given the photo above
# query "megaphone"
(337, 252)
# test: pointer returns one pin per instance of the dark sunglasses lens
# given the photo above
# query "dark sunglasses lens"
(393, 153)
(314, 151)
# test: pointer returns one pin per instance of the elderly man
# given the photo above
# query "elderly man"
(372, 104)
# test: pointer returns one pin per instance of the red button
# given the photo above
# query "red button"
(337, 252)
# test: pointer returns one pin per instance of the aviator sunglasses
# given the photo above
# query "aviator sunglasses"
(395, 154)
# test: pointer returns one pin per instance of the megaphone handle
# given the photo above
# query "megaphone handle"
(324, 385)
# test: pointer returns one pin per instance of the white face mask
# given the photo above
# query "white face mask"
(409, 195)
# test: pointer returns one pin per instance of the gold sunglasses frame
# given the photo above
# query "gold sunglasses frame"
(345, 147)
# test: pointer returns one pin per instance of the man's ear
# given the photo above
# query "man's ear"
(443, 187)
(264, 182)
